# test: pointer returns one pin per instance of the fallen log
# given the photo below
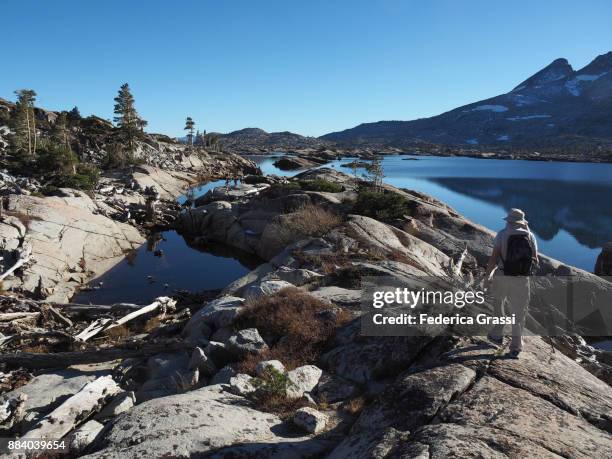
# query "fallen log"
(35, 361)
(10, 316)
(39, 334)
(163, 304)
(59, 316)
(77, 408)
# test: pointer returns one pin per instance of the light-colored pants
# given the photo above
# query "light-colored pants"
(513, 293)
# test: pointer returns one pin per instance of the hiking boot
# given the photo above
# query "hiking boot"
(514, 354)
(497, 340)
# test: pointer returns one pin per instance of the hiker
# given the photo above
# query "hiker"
(515, 247)
(603, 265)
(227, 182)
(236, 181)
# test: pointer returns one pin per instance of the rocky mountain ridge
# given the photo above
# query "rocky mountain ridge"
(556, 107)
(255, 140)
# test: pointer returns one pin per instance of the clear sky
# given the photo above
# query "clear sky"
(307, 66)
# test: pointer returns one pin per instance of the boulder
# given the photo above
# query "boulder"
(84, 436)
(277, 365)
(187, 425)
(67, 235)
(310, 420)
(297, 277)
(332, 389)
(218, 313)
(119, 404)
(242, 384)
(247, 341)
(47, 391)
(303, 380)
(267, 287)
(291, 163)
(223, 376)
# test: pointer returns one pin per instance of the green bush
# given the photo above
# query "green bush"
(381, 205)
(321, 185)
(280, 189)
(271, 383)
(86, 178)
(56, 158)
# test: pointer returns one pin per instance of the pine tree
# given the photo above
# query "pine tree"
(61, 131)
(127, 119)
(24, 125)
(376, 174)
(190, 128)
(74, 115)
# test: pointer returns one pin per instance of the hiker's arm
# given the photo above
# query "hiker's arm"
(492, 264)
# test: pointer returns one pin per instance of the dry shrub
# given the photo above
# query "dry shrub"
(152, 324)
(328, 263)
(117, 334)
(307, 221)
(280, 405)
(298, 324)
(355, 405)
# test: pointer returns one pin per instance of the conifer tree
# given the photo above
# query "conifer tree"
(74, 115)
(24, 126)
(376, 174)
(190, 128)
(61, 132)
(127, 119)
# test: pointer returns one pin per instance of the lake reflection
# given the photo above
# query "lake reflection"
(581, 209)
(568, 205)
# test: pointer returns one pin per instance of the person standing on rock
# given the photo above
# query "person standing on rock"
(515, 251)
(603, 265)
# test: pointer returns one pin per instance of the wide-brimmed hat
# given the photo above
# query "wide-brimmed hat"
(516, 216)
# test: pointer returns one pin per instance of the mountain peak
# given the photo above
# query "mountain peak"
(556, 70)
(601, 64)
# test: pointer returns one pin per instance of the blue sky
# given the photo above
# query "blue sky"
(307, 66)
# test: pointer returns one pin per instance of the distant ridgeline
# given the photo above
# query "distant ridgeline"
(556, 107)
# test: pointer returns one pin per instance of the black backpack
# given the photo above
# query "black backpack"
(519, 256)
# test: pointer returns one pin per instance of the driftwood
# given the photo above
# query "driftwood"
(92, 310)
(65, 359)
(162, 304)
(24, 254)
(11, 316)
(38, 334)
(59, 316)
(69, 414)
(456, 266)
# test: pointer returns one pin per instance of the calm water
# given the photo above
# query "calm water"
(145, 275)
(568, 206)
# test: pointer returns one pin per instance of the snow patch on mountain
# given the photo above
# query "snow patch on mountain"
(527, 117)
(573, 85)
(493, 108)
(503, 137)
(472, 141)
(590, 77)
